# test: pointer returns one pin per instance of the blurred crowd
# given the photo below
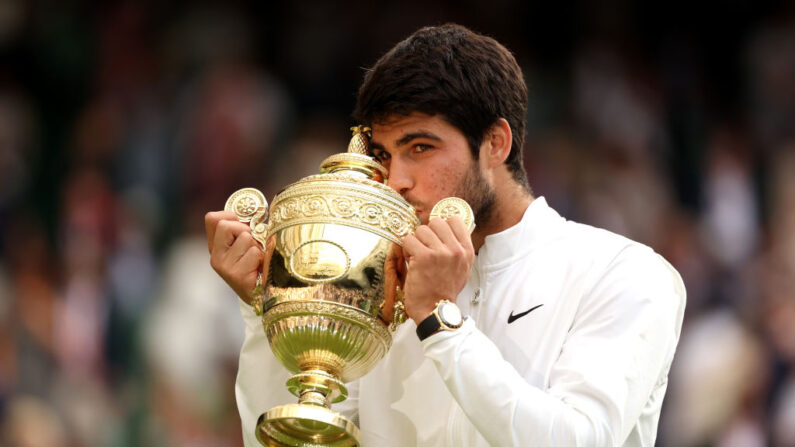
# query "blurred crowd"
(122, 123)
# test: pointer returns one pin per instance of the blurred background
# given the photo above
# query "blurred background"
(123, 122)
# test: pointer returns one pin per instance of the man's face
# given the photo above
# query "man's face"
(429, 159)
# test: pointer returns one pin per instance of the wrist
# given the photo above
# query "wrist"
(422, 313)
(446, 316)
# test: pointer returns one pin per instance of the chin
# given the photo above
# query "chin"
(423, 217)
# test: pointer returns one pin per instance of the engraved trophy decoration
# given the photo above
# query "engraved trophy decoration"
(333, 241)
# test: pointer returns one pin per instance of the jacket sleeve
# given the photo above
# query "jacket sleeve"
(260, 377)
(261, 380)
(617, 351)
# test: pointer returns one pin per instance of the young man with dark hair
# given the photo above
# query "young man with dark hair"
(571, 330)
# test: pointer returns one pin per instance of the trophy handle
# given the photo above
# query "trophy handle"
(249, 205)
(454, 206)
(399, 310)
(260, 226)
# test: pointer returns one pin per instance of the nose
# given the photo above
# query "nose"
(400, 178)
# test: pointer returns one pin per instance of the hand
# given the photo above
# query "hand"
(234, 253)
(394, 278)
(439, 257)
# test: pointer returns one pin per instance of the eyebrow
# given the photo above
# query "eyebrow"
(407, 138)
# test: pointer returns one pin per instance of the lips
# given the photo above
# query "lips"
(421, 213)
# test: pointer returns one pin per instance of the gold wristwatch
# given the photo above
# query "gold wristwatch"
(445, 317)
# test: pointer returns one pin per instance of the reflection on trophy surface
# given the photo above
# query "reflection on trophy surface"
(330, 292)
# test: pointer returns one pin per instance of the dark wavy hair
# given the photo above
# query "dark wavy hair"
(468, 79)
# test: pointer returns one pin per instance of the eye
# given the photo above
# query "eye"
(422, 147)
(380, 155)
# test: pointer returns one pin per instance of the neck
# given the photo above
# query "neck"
(510, 205)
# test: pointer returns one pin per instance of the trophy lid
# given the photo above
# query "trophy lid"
(356, 162)
(350, 191)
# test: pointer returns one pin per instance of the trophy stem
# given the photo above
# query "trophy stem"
(317, 387)
(314, 397)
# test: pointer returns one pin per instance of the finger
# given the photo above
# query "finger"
(396, 260)
(225, 234)
(461, 232)
(399, 261)
(250, 260)
(211, 220)
(391, 281)
(443, 231)
(243, 242)
(412, 246)
(243, 276)
(428, 237)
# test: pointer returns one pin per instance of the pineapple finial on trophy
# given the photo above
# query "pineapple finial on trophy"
(360, 140)
(356, 162)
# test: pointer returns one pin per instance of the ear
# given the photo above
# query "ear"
(497, 143)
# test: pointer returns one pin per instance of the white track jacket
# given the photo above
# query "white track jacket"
(587, 366)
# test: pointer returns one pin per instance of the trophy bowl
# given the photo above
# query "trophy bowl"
(330, 294)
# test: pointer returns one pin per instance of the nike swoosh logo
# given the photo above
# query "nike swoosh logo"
(512, 317)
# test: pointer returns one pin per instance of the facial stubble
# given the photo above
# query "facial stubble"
(478, 193)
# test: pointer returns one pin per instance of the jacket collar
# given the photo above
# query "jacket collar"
(538, 224)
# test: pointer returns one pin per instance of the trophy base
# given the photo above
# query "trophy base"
(302, 425)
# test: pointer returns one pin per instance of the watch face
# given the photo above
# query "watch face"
(450, 314)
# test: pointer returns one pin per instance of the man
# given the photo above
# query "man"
(571, 330)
